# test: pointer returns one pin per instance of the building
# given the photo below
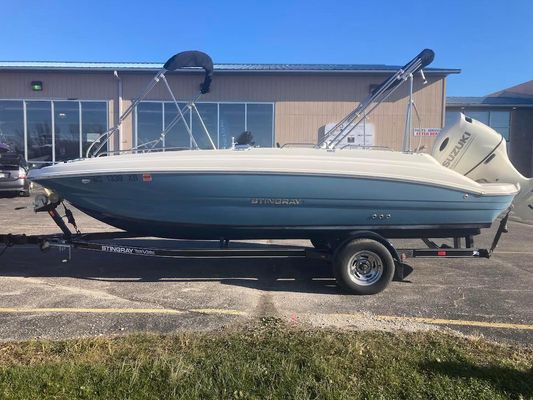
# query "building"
(510, 113)
(52, 111)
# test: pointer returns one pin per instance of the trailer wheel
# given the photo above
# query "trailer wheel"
(363, 266)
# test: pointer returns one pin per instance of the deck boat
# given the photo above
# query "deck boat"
(275, 193)
(248, 192)
(348, 201)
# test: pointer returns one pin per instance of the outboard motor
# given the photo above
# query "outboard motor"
(479, 152)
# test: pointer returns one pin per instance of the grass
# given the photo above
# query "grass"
(268, 361)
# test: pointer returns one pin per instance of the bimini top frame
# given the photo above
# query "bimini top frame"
(184, 60)
(196, 59)
(338, 133)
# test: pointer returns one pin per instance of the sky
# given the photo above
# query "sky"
(491, 41)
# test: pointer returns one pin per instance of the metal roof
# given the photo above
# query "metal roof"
(235, 68)
(489, 101)
(524, 89)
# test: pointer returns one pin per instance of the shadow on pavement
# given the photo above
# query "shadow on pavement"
(273, 274)
(10, 195)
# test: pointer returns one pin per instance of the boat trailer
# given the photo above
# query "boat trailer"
(356, 260)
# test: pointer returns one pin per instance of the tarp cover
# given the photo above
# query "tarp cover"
(191, 59)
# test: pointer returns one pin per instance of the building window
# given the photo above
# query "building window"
(498, 120)
(450, 117)
(178, 135)
(223, 121)
(93, 123)
(260, 123)
(481, 116)
(232, 123)
(39, 131)
(12, 124)
(66, 130)
(207, 125)
(53, 131)
(149, 124)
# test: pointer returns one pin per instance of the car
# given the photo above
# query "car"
(13, 174)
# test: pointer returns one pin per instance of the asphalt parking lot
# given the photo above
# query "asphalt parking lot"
(100, 294)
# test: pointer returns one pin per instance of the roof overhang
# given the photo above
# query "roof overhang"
(348, 69)
(489, 102)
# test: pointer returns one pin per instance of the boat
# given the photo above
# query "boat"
(275, 193)
(349, 201)
(253, 193)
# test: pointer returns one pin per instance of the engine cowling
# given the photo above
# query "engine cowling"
(479, 152)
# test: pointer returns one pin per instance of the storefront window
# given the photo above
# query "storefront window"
(481, 116)
(223, 121)
(39, 125)
(12, 125)
(93, 122)
(259, 122)
(177, 136)
(209, 114)
(500, 121)
(149, 124)
(231, 123)
(67, 130)
(451, 117)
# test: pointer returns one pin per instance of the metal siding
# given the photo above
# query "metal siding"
(303, 103)
(57, 85)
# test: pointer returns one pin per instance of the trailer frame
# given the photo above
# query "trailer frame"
(334, 253)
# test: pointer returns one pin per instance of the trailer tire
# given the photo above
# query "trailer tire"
(363, 266)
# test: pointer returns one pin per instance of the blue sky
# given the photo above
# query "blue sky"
(491, 41)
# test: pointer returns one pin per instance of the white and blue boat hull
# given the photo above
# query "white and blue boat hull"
(232, 205)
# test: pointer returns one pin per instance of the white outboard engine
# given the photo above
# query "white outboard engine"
(479, 152)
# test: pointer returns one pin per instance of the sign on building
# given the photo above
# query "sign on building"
(427, 131)
(361, 136)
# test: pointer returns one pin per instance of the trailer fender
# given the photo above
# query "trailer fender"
(373, 236)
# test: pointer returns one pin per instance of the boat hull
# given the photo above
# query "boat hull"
(211, 205)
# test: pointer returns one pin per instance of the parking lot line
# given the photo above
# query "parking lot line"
(220, 311)
(14, 310)
(441, 321)
(513, 252)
